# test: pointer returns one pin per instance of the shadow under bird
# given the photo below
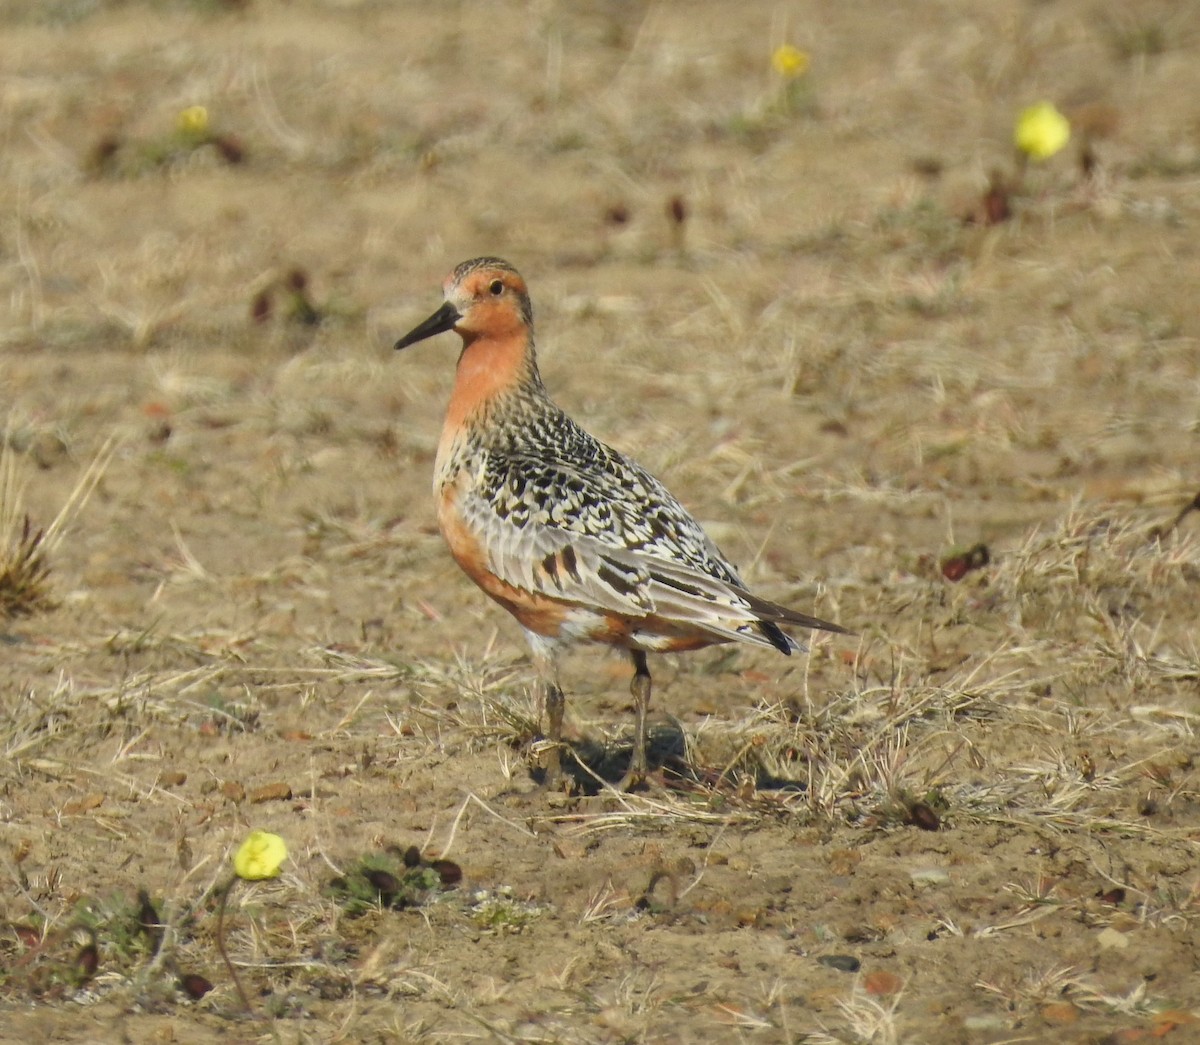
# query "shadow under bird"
(575, 540)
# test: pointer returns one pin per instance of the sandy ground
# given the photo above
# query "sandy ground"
(976, 821)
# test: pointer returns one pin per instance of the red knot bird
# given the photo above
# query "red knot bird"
(575, 540)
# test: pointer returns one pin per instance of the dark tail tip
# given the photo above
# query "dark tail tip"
(776, 636)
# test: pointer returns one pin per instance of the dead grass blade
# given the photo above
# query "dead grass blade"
(25, 551)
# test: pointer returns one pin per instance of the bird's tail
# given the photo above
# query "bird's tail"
(770, 615)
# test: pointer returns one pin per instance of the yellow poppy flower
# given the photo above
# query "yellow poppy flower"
(259, 856)
(789, 62)
(1041, 131)
(193, 120)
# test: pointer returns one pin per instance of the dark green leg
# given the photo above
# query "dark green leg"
(555, 702)
(640, 689)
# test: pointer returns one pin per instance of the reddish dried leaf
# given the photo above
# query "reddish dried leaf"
(996, 207)
(87, 960)
(922, 816)
(194, 985)
(231, 149)
(31, 938)
(386, 883)
(881, 982)
(954, 569)
(260, 307)
(957, 567)
(449, 872)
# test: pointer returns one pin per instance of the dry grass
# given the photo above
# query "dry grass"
(977, 822)
(23, 567)
(26, 553)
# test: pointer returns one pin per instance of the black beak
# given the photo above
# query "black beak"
(442, 320)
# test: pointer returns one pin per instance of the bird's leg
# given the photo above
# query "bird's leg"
(553, 702)
(640, 689)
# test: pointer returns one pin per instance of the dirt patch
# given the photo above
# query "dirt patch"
(796, 302)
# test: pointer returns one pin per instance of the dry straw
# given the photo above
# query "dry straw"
(26, 552)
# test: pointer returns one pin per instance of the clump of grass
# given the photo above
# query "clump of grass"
(24, 571)
(26, 551)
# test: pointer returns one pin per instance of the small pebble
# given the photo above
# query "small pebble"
(1112, 939)
(841, 962)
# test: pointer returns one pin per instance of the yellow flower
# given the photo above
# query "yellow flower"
(789, 62)
(1041, 131)
(193, 120)
(259, 856)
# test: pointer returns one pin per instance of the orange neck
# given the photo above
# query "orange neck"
(488, 368)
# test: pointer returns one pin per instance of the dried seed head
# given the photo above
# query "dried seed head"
(231, 149)
(194, 985)
(449, 872)
(260, 306)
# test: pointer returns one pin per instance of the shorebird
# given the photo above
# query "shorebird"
(574, 539)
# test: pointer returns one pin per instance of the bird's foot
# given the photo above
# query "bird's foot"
(637, 778)
(554, 780)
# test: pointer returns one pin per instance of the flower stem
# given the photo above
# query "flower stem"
(226, 889)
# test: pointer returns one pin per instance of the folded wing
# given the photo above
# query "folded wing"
(633, 583)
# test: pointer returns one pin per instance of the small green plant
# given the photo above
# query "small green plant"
(193, 131)
(46, 963)
(498, 911)
(393, 879)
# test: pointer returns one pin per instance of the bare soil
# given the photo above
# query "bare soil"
(797, 303)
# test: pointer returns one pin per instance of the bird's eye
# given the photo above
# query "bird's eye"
(497, 287)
